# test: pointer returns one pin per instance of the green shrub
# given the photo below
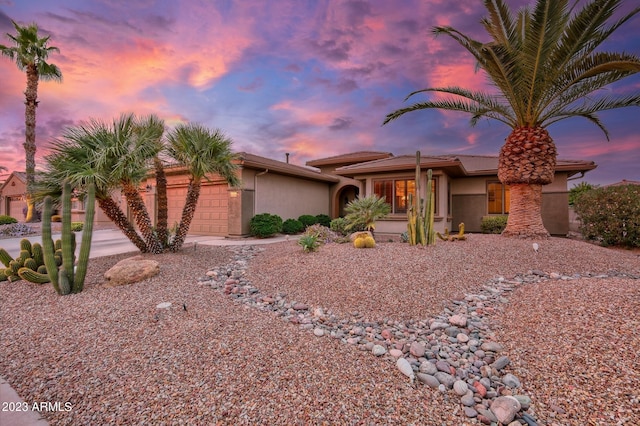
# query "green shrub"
(323, 220)
(77, 226)
(610, 215)
(309, 243)
(265, 225)
(292, 226)
(493, 224)
(5, 220)
(308, 220)
(575, 192)
(339, 225)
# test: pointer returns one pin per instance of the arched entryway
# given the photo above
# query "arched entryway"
(344, 196)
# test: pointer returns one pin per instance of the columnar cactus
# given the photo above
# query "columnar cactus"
(420, 214)
(65, 280)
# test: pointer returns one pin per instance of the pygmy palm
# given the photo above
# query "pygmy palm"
(202, 152)
(364, 212)
(546, 63)
(30, 53)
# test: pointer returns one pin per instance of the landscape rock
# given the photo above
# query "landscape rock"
(132, 270)
(505, 408)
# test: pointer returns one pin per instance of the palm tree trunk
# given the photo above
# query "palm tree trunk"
(163, 202)
(141, 216)
(527, 161)
(525, 219)
(31, 103)
(115, 214)
(193, 194)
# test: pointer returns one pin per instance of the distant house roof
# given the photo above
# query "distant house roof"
(623, 182)
(349, 158)
(452, 164)
(21, 176)
(257, 162)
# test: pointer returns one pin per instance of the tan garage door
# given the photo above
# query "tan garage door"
(211, 213)
(16, 204)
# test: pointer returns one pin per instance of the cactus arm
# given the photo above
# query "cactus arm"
(85, 245)
(63, 281)
(48, 249)
(5, 257)
(67, 240)
(33, 276)
(38, 256)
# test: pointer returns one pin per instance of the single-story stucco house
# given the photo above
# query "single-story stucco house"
(466, 189)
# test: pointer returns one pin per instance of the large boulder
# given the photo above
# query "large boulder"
(131, 270)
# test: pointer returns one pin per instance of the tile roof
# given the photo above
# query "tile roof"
(350, 158)
(453, 164)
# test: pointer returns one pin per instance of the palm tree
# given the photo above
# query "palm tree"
(129, 153)
(202, 152)
(30, 53)
(546, 66)
(76, 156)
(364, 212)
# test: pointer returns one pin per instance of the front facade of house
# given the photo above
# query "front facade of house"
(466, 189)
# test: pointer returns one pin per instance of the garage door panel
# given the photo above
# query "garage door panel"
(210, 217)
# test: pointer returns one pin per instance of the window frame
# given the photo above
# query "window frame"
(505, 198)
(393, 180)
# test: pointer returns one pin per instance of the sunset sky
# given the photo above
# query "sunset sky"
(311, 78)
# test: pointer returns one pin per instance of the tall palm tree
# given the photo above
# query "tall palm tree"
(202, 152)
(129, 153)
(546, 65)
(30, 54)
(76, 156)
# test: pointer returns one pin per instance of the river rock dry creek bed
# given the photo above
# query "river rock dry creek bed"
(271, 335)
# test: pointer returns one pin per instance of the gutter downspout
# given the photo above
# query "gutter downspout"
(255, 189)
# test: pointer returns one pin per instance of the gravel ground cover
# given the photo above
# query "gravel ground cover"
(212, 360)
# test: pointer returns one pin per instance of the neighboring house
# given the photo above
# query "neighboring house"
(466, 189)
(12, 191)
(13, 202)
(623, 182)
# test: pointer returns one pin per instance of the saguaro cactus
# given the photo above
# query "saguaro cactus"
(420, 214)
(65, 280)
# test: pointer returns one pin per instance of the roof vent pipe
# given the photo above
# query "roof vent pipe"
(286, 154)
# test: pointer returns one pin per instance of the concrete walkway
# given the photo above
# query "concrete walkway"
(104, 243)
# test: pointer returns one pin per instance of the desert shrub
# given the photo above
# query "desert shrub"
(362, 213)
(292, 226)
(77, 226)
(309, 243)
(338, 225)
(265, 225)
(322, 233)
(493, 224)
(610, 215)
(581, 188)
(308, 220)
(5, 220)
(323, 220)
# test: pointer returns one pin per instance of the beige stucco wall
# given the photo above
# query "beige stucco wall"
(289, 197)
